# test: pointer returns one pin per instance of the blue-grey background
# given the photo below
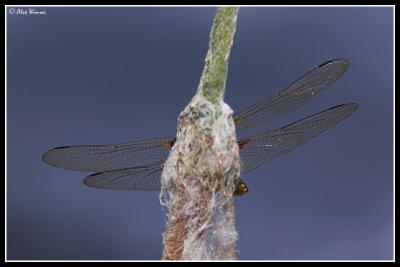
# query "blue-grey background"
(110, 75)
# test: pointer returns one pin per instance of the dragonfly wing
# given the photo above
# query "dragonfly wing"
(138, 178)
(99, 158)
(291, 97)
(261, 148)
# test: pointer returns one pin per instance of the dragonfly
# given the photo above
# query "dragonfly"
(138, 165)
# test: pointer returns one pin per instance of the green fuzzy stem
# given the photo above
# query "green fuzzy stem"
(212, 82)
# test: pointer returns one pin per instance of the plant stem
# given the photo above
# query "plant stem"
(213, 79)
(198, 178)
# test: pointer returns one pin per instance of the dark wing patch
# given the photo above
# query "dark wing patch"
(243, 142)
